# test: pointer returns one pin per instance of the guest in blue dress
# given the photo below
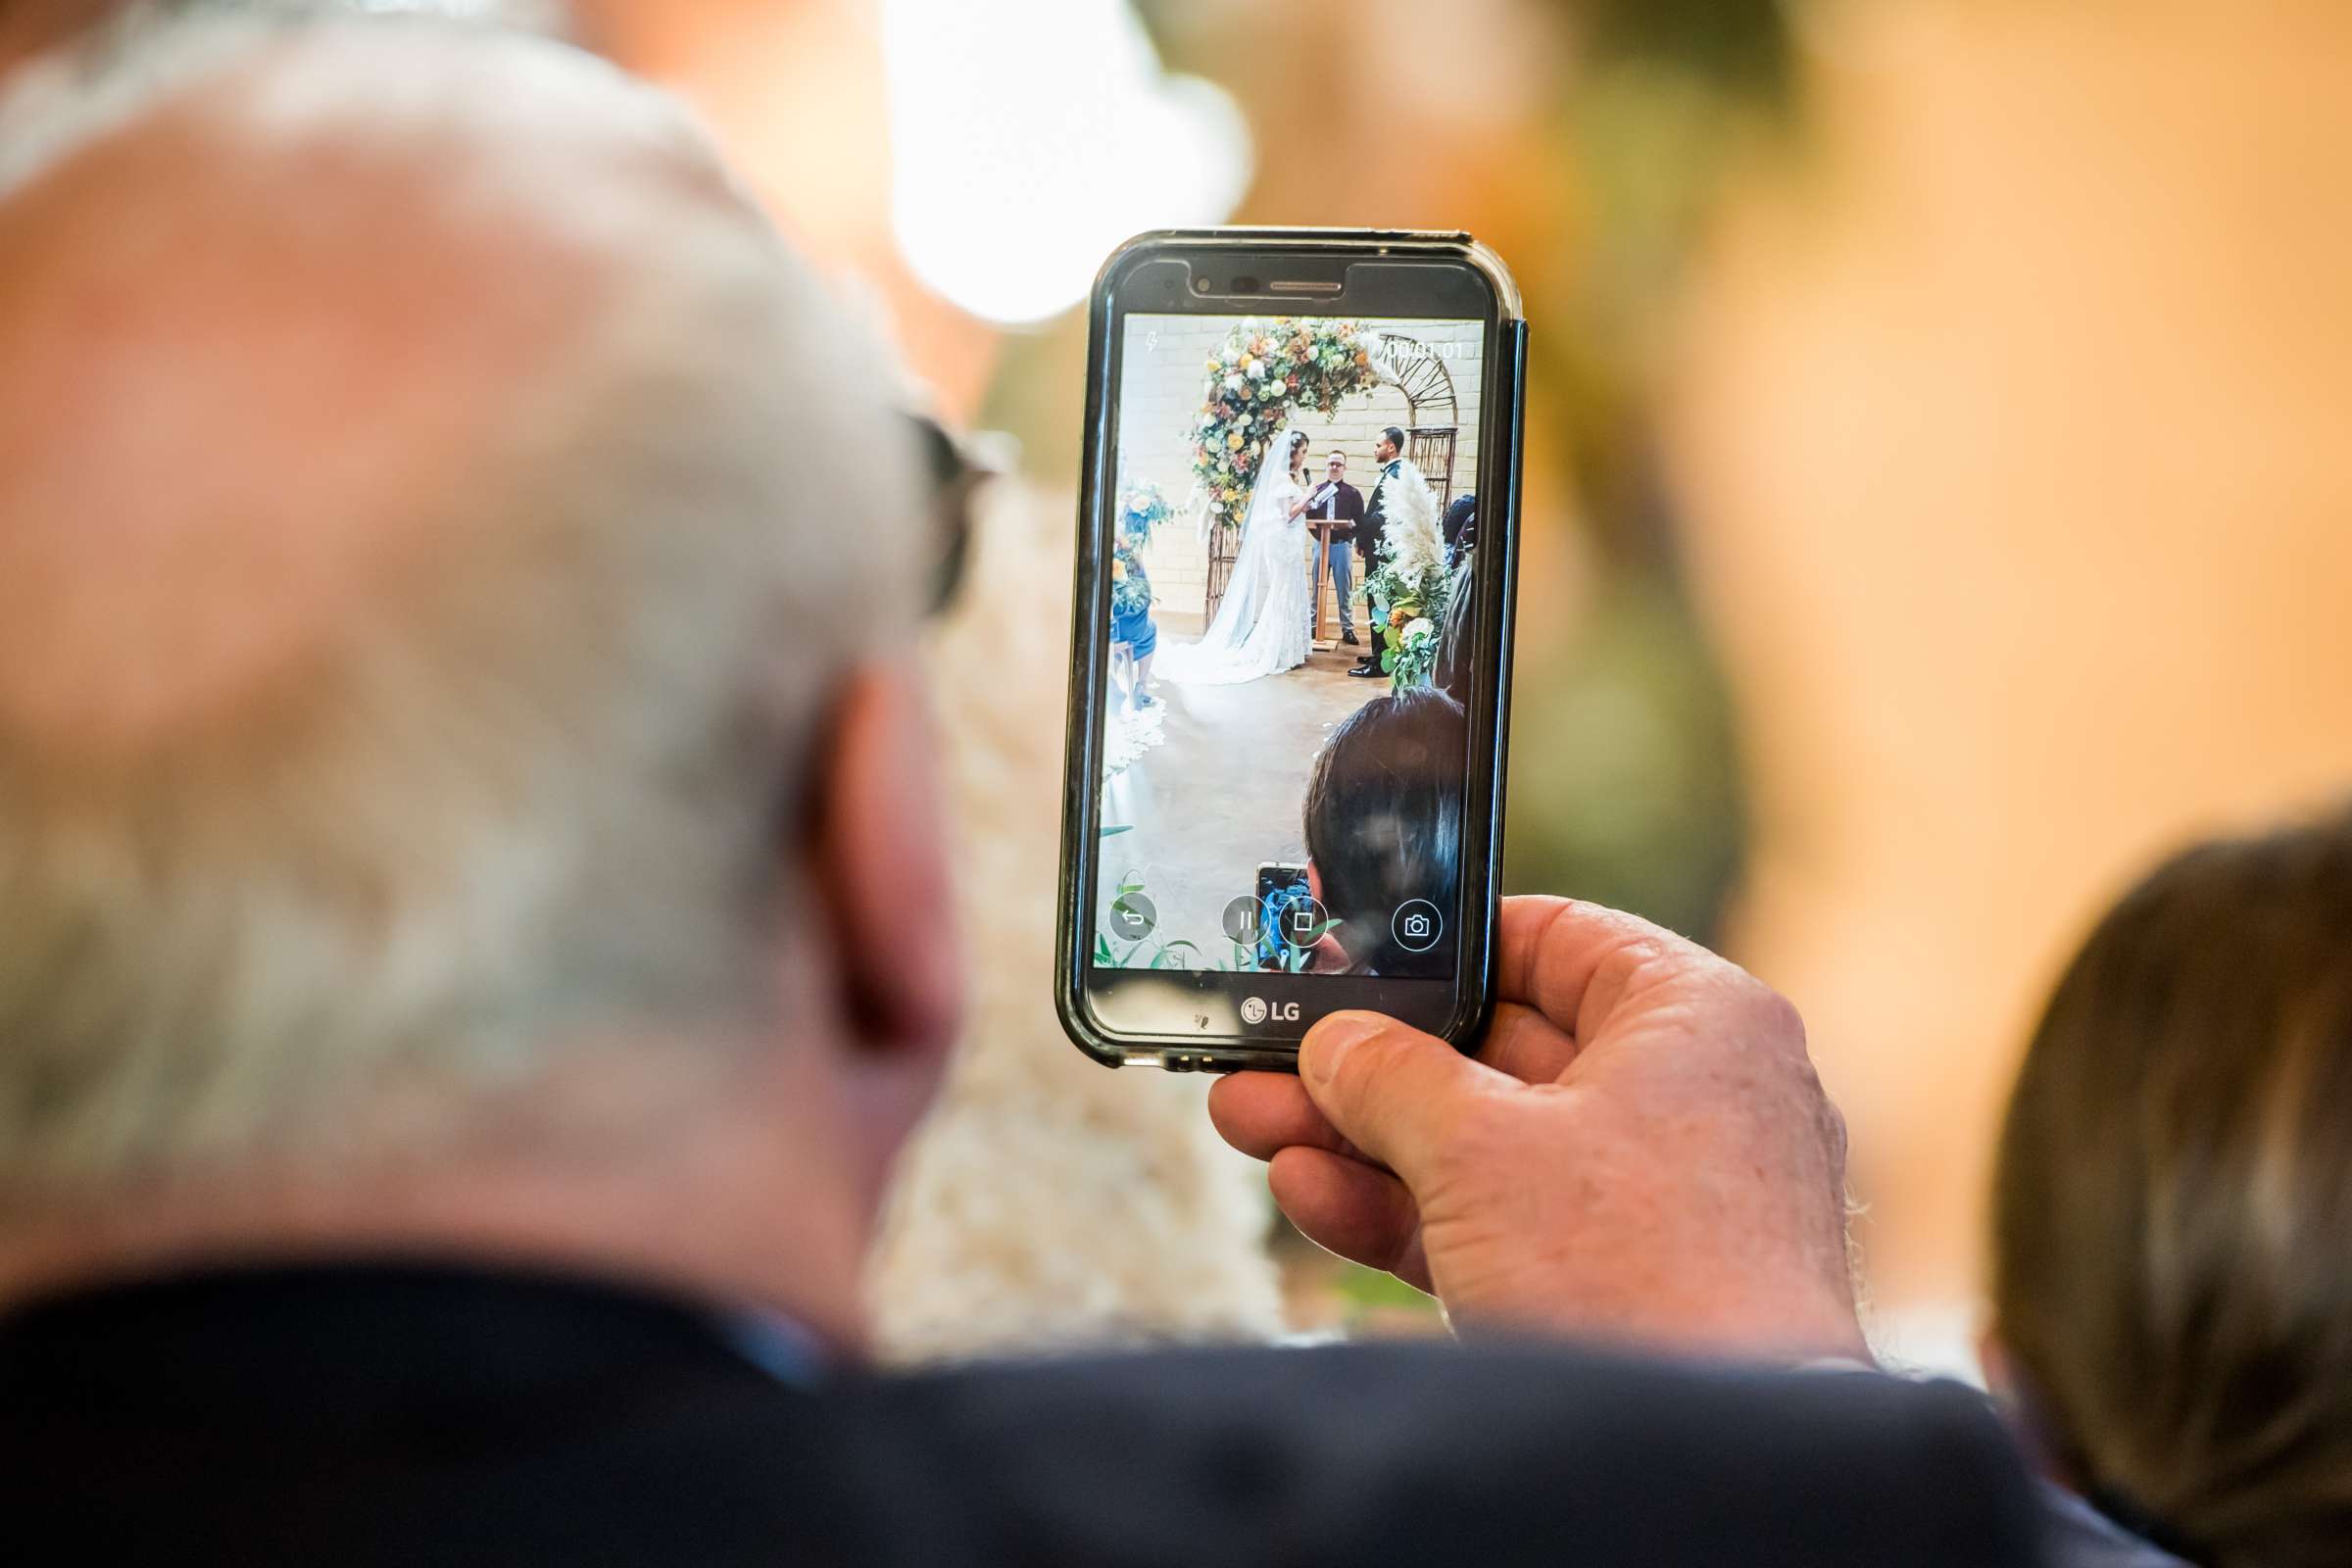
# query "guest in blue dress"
(1133, 632)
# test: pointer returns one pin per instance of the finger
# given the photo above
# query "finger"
(1346, 1206)
(1574, 962)
(1392, 1091)
(1524, 1044)
(1260, 1112)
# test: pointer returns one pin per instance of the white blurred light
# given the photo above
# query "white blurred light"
(1029, 139)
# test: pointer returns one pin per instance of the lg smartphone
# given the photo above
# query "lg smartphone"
(1296, 550)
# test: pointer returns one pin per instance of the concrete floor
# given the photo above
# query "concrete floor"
(1225, 791)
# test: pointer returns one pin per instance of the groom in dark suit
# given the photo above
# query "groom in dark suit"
(1367, 542)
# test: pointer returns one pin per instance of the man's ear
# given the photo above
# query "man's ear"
(878, 853)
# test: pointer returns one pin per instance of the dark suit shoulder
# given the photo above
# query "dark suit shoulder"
(400, 1415)
(406, 1414)
(1417, 1454)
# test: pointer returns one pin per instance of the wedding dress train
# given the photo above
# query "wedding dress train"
(1262, 623)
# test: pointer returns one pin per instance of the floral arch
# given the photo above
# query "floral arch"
(1267, 369)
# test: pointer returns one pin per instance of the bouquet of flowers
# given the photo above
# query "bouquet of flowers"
(1142, 509)
(1410, 649)
(1265, 371)
(1416, 587)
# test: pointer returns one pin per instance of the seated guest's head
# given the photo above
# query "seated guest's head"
(455, 778)
(1382, 825)
(2172, 1269)
(1458, 640)
(1460, 525)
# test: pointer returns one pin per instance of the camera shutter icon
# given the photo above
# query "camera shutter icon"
(1416, 925)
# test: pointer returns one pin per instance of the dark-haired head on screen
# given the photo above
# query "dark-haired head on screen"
(1457, 637)
(1460, 526)
(1384, 824)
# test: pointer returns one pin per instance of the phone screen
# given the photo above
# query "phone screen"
(1285, 720)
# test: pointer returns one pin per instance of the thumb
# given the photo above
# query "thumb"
(1391, 1091)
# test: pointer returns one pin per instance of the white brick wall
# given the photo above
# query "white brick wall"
(1159, 406)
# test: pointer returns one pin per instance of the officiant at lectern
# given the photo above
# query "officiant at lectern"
(1333, 509)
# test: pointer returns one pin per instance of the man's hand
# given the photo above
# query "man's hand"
(1640, 1151)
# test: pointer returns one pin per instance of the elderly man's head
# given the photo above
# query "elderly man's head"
(438, 527)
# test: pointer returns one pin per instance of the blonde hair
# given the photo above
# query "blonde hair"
(535, 792)
(2173, 1210)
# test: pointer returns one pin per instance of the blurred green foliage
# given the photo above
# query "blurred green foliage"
(1365, 1290)
(1625, 785)
(1735, 46)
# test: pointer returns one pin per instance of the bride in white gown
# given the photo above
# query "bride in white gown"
(1261, 625)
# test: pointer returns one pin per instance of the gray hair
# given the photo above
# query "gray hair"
(539, 796)
(136, 47)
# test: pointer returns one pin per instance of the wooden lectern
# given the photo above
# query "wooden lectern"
(1326, 592)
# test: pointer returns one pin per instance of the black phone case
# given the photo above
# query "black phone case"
(1504, 410)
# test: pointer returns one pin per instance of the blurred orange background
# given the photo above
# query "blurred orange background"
(1939, 500)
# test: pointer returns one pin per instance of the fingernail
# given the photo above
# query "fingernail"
(1320, 1053)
